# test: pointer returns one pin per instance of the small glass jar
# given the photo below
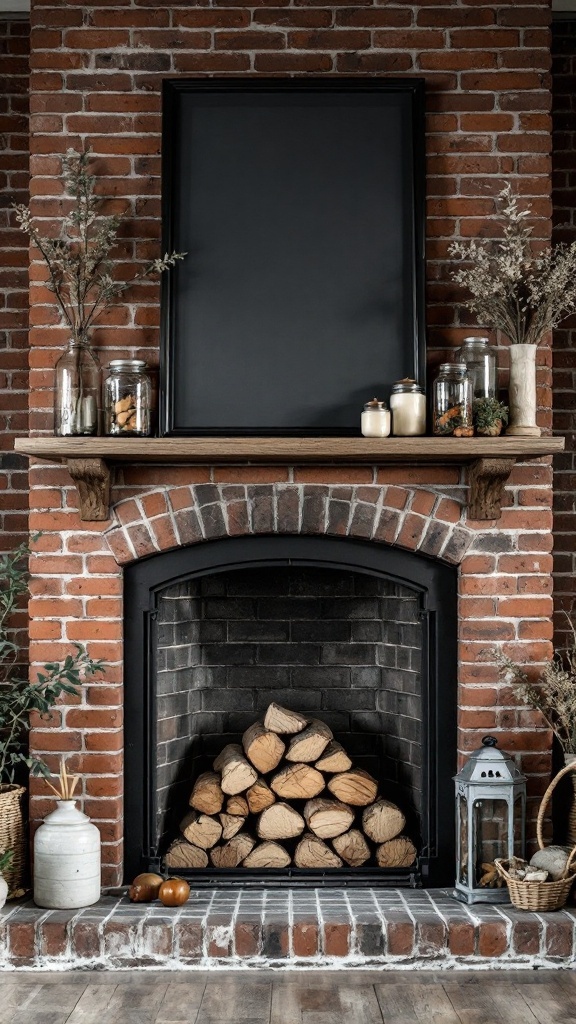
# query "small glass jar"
(453, 401)
(375, 419)
(77, 392)
(408, 406)
(128, 399)
(480, 359)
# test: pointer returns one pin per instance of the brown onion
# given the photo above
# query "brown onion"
(174, 892)
(145, 887)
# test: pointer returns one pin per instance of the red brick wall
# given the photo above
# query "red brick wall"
(13, 281)
(96, 78)
(564, 376)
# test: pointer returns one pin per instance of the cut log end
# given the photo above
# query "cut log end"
(267, 855)
(280, 821)
(263, 748)
(328, 818)
(354, 787)
(182, 854)
(352, 847)
(313, 852)
(396, 853)
(310, 744)
(259, 796)
(207, 795)
(201, 829)
(334, 759)
(283, 721)
(233, 852)
(298, 782)
(382, 820)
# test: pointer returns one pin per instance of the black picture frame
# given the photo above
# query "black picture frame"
(270, 327)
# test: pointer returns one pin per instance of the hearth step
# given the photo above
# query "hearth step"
(387, 929)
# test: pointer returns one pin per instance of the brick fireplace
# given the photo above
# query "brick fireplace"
(96, 78)
(502, 569)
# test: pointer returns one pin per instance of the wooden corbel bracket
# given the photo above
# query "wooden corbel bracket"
(486, 480)
(92, 479)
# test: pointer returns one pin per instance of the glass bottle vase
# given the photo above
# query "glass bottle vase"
(77, 394)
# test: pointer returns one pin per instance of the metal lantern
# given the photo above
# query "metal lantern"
(490, 821)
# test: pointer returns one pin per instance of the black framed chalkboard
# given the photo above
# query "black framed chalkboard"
(300, 204)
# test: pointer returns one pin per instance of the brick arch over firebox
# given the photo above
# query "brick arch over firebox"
(414, 519)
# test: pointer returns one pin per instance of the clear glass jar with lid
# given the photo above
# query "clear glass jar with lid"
(453, 401)
(128, 399)
(480, 359)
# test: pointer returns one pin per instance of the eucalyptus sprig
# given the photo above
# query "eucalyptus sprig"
(80, 268)
(18, 697)
(522, 292)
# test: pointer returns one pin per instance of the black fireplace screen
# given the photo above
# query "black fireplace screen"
(360, 636)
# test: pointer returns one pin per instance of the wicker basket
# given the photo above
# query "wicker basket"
(541, 895)
(13, 837)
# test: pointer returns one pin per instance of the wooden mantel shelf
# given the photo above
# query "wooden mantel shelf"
(89, 459)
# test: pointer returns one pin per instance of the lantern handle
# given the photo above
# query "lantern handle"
(489, 741)
(545, 801)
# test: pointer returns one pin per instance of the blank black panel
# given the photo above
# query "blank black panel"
(298, 208)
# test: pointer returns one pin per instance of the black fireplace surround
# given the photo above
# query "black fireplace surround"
(362, 636)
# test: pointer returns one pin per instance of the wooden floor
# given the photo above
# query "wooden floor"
(263, 997)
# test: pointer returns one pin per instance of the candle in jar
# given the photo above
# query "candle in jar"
(408, 406)
(88, 414)
(375, 419)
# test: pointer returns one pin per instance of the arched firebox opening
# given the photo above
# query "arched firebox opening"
(358, 634)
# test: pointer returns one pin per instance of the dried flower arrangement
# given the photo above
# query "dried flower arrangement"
(66, 783)
(517, 288)
(79, 265)
(554, 692)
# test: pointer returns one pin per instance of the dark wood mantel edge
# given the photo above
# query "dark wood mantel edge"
(89, 460)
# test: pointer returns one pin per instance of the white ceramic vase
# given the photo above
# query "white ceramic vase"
(522, 391)
(3, 891)
(66, 859)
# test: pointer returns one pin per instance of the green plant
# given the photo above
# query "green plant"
(554, 692)
(489, 415)
(6, 859)
(517, 288)
(18, 697)
(79, 265)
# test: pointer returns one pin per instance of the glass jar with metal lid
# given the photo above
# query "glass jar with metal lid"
(375, 419)
(480, 358)
(128, 399)
(408, 405)
(453, 401)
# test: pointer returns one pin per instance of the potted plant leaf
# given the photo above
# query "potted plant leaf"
(18, 699)
(489, 416)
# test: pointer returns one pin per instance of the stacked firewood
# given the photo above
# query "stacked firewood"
(289, 794)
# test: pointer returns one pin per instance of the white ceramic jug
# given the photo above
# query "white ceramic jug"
(66, 859)
(3, 891)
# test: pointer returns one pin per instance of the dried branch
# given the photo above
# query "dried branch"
(79, 261)
(513, 290)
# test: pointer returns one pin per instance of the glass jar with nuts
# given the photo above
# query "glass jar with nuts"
(128, 399)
